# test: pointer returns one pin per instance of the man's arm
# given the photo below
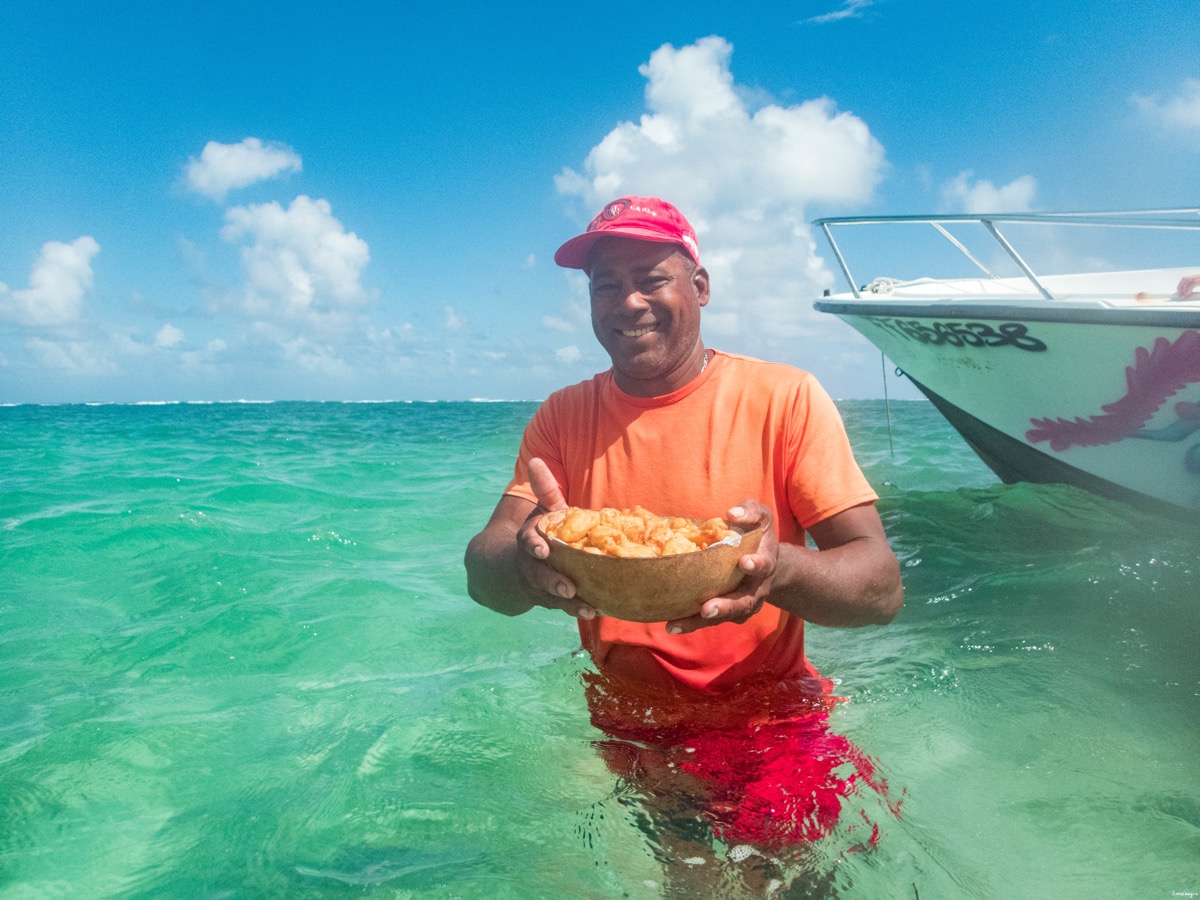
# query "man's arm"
(852, 580)
(505, 561)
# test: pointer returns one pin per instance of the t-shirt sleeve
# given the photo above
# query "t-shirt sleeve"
(540, 440)
(824, 479)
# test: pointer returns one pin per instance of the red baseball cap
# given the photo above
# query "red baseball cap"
(644, 218)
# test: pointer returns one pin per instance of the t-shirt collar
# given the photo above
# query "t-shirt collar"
(714, 362)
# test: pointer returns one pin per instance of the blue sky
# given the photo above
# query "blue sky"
(218, 201)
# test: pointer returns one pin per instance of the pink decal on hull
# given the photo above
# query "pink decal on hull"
(1156, 375)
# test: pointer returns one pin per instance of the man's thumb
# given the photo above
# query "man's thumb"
(541, 479)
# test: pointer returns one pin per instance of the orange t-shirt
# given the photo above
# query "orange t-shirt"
(743, 429)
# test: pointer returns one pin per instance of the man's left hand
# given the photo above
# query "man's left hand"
(748, 597)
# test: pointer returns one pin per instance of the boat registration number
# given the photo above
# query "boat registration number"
(964, 334)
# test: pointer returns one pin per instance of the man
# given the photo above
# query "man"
(686, 430)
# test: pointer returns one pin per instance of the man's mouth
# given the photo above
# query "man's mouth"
(636, 332)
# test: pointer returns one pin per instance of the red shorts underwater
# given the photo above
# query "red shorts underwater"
(759, 764)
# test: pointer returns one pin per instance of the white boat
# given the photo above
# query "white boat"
(1088, 379)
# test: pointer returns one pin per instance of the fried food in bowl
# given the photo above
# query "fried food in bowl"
(632, 564)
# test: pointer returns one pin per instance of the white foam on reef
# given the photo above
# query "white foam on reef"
(102, 403)
(251, 402)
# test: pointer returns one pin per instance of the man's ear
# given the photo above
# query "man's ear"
(700, 283)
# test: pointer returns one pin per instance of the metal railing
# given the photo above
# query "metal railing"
(1162, 219)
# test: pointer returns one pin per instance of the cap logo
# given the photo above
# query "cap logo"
(615, 209)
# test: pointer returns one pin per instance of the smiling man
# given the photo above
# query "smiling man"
(686, 430)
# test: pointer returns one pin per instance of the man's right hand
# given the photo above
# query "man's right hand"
(535, 549)
(550, 498)
(506, 562)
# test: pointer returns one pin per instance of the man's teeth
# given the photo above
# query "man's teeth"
(637, 332)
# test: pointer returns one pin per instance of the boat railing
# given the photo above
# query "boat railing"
(1163, 219)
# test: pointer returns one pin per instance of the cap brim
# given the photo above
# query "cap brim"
(574, 253)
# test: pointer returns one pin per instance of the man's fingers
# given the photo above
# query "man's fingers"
(550, 587)
(550, 497)
(758, 564)
(714, 612)
(578, 609)
(558, 590)
(545, 487)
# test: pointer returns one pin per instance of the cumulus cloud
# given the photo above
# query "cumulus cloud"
(453, 321)
(745, 177)
(984, 197)
(1179, 112)
(168, 336)
(57, 283)
(300, 261)
(568, 355)
(225, 167)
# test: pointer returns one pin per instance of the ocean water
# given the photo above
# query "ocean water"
(237, 659)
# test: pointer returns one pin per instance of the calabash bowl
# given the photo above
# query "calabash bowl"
(655, 589)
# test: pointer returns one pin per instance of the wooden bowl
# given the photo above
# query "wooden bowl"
(657, 589)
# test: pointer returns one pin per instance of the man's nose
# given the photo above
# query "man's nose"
(632, 298)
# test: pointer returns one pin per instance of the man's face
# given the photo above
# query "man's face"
(646, 302)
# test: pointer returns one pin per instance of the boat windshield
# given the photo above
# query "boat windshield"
(1113, 255)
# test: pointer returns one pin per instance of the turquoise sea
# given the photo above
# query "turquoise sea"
(238, 660)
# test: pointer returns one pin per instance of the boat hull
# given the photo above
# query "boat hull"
(1105, 399)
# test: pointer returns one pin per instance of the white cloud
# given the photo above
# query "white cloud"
(300, 261)
(1180, 112)
(577, 316)
(745, 178)
(309, 354)
(57, 283)
(321, 360)
(984, 197)
(568, 355)
(78, 357)
(851, 9)
(190, 359)
(225, 167)
(454, 322)
(168, 336)
(125, 344)
(557, 323)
